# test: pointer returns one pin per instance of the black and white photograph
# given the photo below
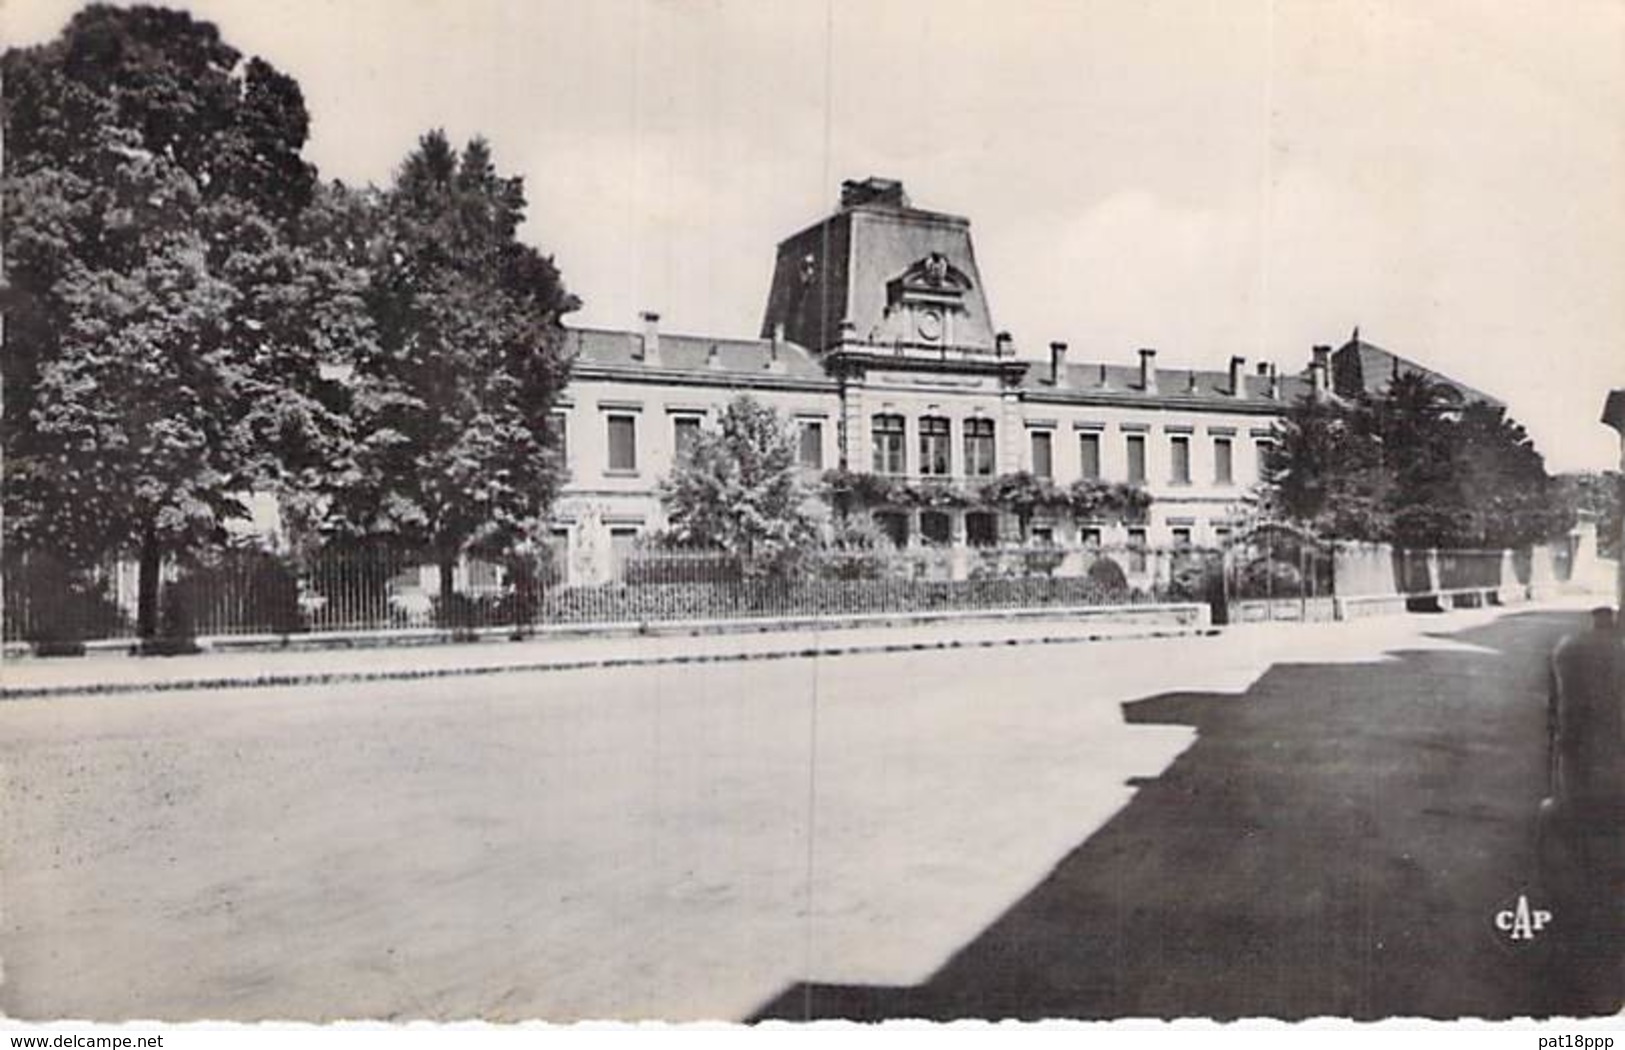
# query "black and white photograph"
(766, 512)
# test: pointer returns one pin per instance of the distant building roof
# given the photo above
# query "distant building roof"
(1089, 381)
(1359, 366)
(728, 360)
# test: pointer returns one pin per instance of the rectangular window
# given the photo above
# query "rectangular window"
(1044, 535)
(812, 444)
(1136, 550)
(558, 431)
(623, 444)
(1263, 451)
(1136, 458)
(935, 528)
(1179, 459)
(1221, 535)
(888, 432)
(979, 448)
(1182, 536)
(557, 557)
(1223, 461)
(934, 446)
(1043, 459)
(483, 575)
(685, 430)
(623, 540)
(1089, 455)
(981, 529)
(894, 524)
(1090, 535)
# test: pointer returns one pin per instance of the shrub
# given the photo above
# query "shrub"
(859, 550)
(251, 591)
(58, 607)
(1269, 578)
(1107, 575)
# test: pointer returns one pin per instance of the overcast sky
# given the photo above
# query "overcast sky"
(1239, 177)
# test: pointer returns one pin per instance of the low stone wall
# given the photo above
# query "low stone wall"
(1358, 607)
(1260, 610)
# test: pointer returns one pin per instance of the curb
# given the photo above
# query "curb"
(602, 663)
(413, 637)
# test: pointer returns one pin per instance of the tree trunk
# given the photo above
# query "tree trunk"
(448, 592)
(151, 565)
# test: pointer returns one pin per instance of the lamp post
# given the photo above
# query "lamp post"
(1613, 414)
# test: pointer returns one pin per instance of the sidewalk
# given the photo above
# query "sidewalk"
(113, 672)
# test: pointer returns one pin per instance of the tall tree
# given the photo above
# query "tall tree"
(1325, 469)
(167, 303)
(1413, 466)
(739, 490)
(454, 453)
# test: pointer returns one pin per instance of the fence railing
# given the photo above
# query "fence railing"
(240, 592)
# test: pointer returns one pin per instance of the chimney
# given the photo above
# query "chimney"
(1238, 376)
(713, 359)
(873, 190)
(1190, 382)
(1275, 384)
(1148, 370)
(773, 362)
(1318, 365)
(1002, 344)
(1057, 364)
(1104, 382)
(651, 337)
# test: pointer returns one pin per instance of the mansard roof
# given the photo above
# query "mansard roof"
(729, 361)
(1098, 382)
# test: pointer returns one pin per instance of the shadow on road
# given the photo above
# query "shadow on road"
(1337, 841)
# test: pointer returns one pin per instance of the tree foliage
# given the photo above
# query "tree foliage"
(1414, 467)
(168, 296)
(452, 401)
(1596, 494)
(739, 490)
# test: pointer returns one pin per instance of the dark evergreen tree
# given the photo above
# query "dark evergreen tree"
(454, 453)
(1415, 467)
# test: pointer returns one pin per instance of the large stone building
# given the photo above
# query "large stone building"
(879, 344)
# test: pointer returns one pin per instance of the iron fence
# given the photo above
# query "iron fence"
(246, 592)
(368, 588)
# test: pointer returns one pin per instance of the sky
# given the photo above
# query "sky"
(1245, 177)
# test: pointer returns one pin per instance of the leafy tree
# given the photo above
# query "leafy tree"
(1597, 493)
(1501, 484)
(167, 299)
(1325, 469)
(451, 404)
(1415, 467)
(739, 490)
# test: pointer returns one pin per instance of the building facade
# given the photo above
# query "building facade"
(878, 344)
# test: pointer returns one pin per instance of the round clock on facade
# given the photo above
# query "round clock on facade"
(929, 324)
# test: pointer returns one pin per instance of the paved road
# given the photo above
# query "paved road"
(1280, 821)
